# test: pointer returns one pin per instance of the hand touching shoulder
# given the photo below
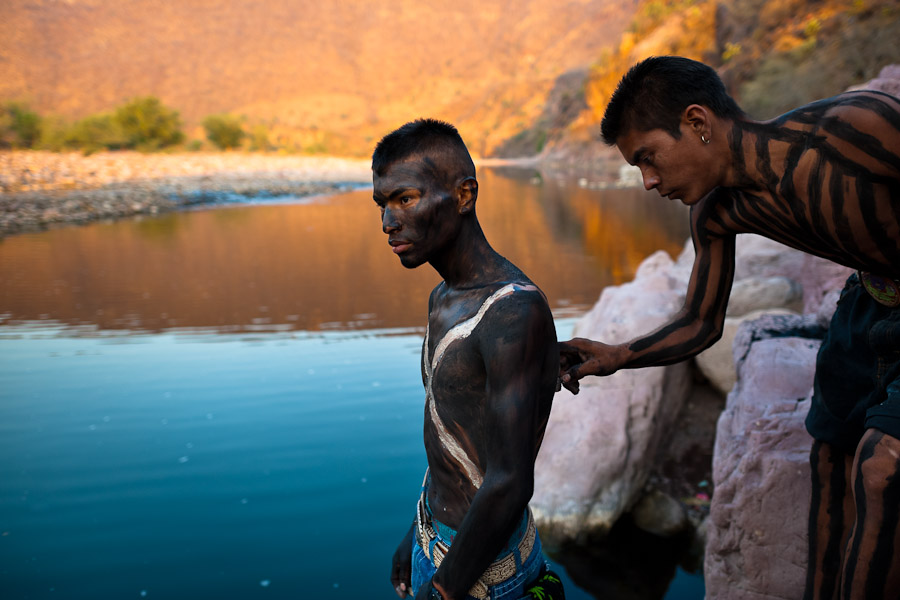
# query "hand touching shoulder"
(580, 357)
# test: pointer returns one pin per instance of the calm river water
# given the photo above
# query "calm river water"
(226, 403)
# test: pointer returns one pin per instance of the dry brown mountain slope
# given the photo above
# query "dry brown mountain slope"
(327, 74)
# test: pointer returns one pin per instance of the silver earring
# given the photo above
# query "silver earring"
(704, 139)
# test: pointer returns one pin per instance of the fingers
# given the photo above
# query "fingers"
(400, 576)
(401, 584)
(572, 386)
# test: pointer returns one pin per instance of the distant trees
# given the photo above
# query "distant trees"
(224, 131)
(93, 133)
(144, 124)
(19, 126)
(140, 124)
(148, 125)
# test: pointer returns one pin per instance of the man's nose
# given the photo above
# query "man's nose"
(651, 179)
(389, 222)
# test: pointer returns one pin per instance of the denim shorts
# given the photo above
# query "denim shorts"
(857, 383)
(514, 588)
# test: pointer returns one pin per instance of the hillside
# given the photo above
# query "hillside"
(321, 76)
(773, 55)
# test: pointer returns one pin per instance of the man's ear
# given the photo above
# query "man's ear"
(466, 194)
(698, 119)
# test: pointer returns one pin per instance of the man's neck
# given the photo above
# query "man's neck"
(469, 262)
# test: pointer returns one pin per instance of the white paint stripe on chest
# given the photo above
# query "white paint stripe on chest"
(458, 332)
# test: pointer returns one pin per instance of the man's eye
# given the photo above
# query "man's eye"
(405, 199)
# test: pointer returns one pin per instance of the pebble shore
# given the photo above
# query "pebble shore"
(43, 189)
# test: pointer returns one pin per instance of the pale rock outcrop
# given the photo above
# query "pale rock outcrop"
(769, 277)
(757, 293)
(756, 544)
(599, 445)
(888, 81)
(757, 541)
(751, 297)
(598, 448)
(757, 256)
(717, 362)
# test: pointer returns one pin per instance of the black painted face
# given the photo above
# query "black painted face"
(418, 212)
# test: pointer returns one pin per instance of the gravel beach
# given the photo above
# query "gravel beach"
(43, 189)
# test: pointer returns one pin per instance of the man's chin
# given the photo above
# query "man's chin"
(410, 262)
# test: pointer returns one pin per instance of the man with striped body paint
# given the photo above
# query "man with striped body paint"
(490, 370)
(823, 178)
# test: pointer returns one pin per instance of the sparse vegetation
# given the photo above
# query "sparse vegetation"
(682, 27)
(97, 132)
(226, 132)
(259, 139)
(846, 49)
(146, 124)
(20, 127)
(142, 124)
(774, 54)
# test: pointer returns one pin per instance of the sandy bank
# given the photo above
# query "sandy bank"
(41, 189)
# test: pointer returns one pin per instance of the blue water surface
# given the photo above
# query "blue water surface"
(187, 464)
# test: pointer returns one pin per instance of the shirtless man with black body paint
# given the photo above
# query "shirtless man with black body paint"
(490, 369)
(823, 178)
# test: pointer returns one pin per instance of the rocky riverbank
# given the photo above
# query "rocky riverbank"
(42, 189)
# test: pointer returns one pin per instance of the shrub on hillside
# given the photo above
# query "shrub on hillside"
(94, 133)
(259, 139)
(225, 131)
(53, 134)
(19, 126)
(147, 124)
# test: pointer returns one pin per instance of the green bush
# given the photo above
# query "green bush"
(53, 134)
(147, 124)
(96, 132)
(259, 139)
(225, 131)
(19, 126)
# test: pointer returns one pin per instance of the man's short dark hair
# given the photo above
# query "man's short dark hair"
(655, 92)
(430, 138)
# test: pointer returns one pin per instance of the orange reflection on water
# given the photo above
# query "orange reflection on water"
(320, 264)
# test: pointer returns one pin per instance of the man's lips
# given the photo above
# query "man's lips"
(399, 246)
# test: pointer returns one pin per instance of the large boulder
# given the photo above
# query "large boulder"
(769, 278)
(717, 362)
(599, 445)
(760, 257)
(757, 293)
(888, 81)
(757, 539)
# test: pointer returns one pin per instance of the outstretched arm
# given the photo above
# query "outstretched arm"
(518, 346)
(693, 329)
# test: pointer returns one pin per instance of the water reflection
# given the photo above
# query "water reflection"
(323, 264)
(145, 443)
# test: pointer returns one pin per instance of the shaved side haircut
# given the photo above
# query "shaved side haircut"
(655, 92)
(431, 140)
